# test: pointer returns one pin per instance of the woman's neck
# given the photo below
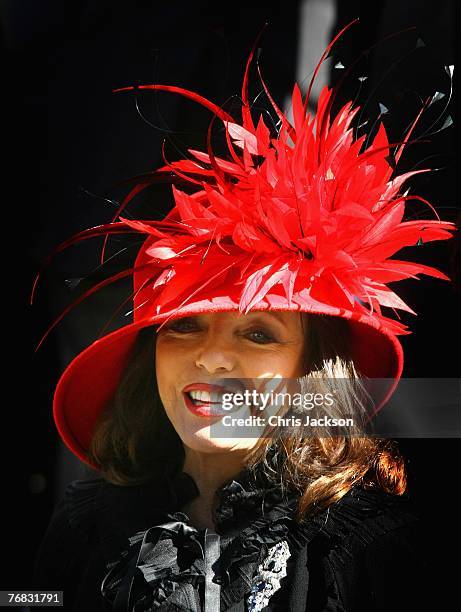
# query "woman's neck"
(209, 471)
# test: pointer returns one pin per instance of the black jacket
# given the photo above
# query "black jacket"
(130, 548)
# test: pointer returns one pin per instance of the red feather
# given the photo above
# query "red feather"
(308, 216)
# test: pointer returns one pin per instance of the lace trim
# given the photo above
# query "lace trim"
(268, 576)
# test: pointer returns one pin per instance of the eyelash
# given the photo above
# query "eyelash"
(176, 324)
(268, 337)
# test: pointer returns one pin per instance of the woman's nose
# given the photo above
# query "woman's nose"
(214, 357)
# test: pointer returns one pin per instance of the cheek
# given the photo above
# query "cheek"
(165, 383)
(298, 361)
(163, 369)
(290, 365)
(171, 363)
(286, 362)
(170, 357)
(295, 361)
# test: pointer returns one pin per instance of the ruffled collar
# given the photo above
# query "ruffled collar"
(252, 515)
(248, 496)
(239, 501)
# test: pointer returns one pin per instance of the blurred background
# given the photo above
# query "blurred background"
(71, 143)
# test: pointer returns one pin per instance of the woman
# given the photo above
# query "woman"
(273, 267)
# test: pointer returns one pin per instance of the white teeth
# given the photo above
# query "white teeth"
(203, 396)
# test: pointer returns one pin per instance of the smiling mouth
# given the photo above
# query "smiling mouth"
(201, 402)
(205, 398)
(207, 406)
(203, 408)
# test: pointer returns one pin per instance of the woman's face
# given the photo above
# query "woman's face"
(207, 348)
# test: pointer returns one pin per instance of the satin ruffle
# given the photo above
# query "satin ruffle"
(164, 566)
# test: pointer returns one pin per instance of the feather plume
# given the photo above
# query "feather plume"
(310, 212)
(306, 217)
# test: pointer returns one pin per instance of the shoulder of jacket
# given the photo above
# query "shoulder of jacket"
(374, 551)
(80, 504)
(366, 547)
(360, 519)
(67, 540)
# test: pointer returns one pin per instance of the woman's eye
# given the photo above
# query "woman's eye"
(182, 326)
(260, 336)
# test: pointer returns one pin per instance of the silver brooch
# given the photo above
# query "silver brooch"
(268, 576)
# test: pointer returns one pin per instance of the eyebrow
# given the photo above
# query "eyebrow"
(257, 314)
(275, 314)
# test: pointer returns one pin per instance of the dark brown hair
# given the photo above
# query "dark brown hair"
(134, 438)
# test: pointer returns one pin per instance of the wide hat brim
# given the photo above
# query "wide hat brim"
(89, 382)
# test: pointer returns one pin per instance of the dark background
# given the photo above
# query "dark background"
(68, 136)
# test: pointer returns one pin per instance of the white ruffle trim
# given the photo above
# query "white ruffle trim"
(268, 576)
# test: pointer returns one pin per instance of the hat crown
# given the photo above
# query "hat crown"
(304, 219)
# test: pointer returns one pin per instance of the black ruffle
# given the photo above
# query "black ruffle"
(163, 568)
(248, 496)
(164, 564)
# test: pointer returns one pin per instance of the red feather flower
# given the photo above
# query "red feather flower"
(309, 214)
(307, 218)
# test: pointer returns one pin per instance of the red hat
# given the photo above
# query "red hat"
(305, 219)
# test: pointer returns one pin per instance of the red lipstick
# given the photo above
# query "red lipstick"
(205, 408)
(202, 410)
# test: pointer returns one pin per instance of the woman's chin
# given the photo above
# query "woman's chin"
(201, 441)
